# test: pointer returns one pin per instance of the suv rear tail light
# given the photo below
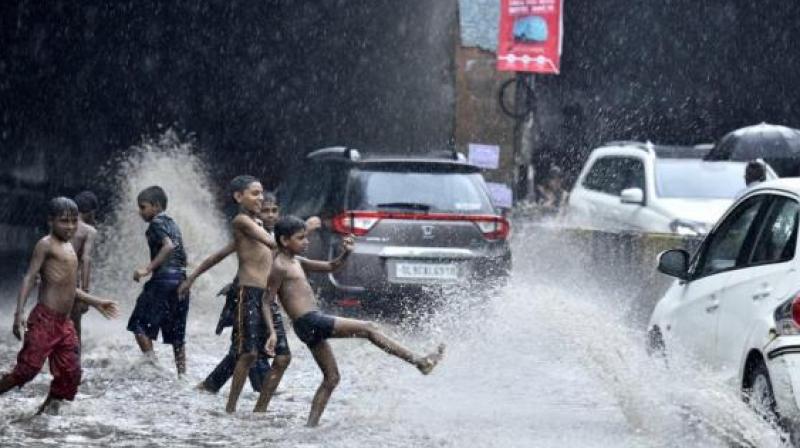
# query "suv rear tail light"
(359, 223)
(787, 317)
(493, 229)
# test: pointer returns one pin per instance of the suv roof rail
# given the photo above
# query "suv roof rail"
(335, 152)
(646, 146)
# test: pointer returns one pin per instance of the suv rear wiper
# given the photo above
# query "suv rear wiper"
(406, 205)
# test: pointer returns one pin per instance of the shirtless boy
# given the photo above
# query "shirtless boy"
(269, 214)
(49, 333)
(288, 280)
(83, 243)
(252, 328)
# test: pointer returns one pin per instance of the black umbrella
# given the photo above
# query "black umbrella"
(778, 145)
(762, 141)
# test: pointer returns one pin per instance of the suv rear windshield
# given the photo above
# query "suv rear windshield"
(380, 189)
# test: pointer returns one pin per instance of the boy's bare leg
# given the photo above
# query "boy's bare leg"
(50, 406)
(180, 358)
(145, 343)
(323, 355)
(352, 328)
(271, 382)
(243, 365)
(6, 383)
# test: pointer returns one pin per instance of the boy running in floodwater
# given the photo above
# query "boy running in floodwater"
(253, 318)
(158, 306)
(49, 333)
(83, 243)
(288, 280)
(224, 370)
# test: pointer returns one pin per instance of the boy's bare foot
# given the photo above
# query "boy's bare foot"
(427, 363)
(201, 386)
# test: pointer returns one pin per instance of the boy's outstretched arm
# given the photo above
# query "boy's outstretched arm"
(86, 259)
(252, 230)
(274, 281)
(348, 244)
(108, 308)
(167, 246)
(28, 282)
(209, 262)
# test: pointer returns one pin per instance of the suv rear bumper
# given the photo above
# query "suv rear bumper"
(369, 275)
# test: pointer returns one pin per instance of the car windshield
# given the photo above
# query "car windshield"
(419, 192)
(698, 179)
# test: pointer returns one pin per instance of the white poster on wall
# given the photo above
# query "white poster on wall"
(484, 156)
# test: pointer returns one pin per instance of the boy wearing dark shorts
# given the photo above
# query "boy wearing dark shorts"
(49, 334)
(268, 216)
(158, 308)
(252, 320)
(288, 281)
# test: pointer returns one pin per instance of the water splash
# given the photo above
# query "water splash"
(542, 363)
(173, 164)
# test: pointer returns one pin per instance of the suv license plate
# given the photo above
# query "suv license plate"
(437, 271)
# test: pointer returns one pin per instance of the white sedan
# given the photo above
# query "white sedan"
(736, 305)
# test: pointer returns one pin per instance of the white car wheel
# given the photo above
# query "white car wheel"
(759, 395)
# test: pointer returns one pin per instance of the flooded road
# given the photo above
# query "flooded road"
(546, 362)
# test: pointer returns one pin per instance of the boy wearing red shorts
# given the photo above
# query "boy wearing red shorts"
(49, 333)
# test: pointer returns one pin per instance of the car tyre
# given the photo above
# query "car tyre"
(758, 393)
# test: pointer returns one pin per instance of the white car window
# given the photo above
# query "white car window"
(779, 237)
(611, 175)
(724, 246)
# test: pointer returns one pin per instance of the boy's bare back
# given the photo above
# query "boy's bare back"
(255, 257)
(59, 273)
(288, 278)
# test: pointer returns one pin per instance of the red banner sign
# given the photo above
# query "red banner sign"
(530, 36)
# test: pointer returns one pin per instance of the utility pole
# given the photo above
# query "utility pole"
(522, 111)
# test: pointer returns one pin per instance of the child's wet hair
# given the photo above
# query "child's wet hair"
(270, 197)
(287, 226)
(240, 183)
(61, 206)
(87, 201)
(154, 195)
(754, 171)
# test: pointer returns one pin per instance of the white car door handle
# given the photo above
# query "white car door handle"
(713, 306)
(763, 294)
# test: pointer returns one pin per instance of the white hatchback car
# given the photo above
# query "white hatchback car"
(736, 304)
(654, 189)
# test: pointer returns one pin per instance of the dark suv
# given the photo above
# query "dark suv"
(420, 224)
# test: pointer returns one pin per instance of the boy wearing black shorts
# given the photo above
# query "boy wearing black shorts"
(158, 307)
(288, 281)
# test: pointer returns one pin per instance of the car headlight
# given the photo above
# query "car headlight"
(688, 228)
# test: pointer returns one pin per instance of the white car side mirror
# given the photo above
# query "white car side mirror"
(632, 196)
(674, 263)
